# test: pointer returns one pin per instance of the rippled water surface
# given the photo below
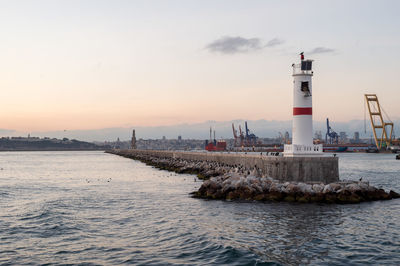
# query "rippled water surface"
(97, 208)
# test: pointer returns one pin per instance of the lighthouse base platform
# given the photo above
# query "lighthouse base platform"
(295, 150)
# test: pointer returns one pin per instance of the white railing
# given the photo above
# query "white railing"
(303, 149)
(297, 70)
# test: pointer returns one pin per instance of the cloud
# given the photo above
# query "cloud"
(233, 45)
(321, 50)
(274, 42)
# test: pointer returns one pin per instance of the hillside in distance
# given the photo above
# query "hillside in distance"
(46, 144)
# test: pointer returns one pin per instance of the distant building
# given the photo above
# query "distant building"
(117, 144)
(356, 137)
(179, 138)
(343, 137)
(133, 140)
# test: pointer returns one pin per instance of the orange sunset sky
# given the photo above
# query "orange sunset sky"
(95, 64)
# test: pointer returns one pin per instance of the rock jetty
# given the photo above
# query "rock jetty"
(203, 169)
(235, 186)
(236, 182)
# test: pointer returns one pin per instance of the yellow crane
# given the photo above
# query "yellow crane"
(377, 122)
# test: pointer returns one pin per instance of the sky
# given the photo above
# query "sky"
(81, 65)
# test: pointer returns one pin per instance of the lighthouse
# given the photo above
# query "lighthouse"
(302, 131)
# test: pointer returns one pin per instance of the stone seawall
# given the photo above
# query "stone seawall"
(292, 169)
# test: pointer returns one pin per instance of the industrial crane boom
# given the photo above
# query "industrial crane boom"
(377, 122)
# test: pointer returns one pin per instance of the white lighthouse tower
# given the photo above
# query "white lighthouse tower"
(302, 139)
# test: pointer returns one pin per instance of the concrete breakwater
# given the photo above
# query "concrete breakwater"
(296, 169)
(203, 169)
(238, 182)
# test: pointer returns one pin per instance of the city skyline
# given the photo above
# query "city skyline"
(261, 128)
(83, 65)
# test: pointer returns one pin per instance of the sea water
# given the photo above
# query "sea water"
(98, 208)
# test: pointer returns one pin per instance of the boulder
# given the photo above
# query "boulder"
(374, 194)
(232, 195)
(304, 197)
(261, 197)
(383, 195)
(317, 188)
(257, 188)
(266, 185)
(290, 198)
(275, 195)
(275, 188)
(327, 189)
(364, 185)
(335, 186)
(330, 197)
(394, 195)
(317, 197)
(354, 198)
(353, 187)
(246, 193)
(293, 188)
(305, 188)
(343, 196)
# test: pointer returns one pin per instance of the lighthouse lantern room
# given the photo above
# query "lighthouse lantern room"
(302, 131)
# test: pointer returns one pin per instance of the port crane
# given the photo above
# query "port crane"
(251, 139)
(377, 122)
(331, 137)
(284, 138)
(246, 137)
(241, 136)
(235, 136)
(281, 138)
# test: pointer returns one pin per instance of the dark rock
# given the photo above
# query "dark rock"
(317, 197)
(394, 195)
(343, 196)
(330, 197)
(261, 197)
(335, 186)
(275, 196)
(290, 198)
(232, 195)
(303, 197)
(354, 198)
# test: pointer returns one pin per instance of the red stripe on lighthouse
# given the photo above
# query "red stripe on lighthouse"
(302, 110)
